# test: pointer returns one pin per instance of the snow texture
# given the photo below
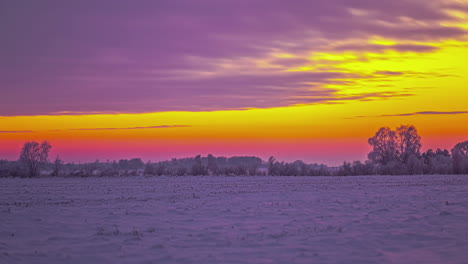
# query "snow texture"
(372, 219)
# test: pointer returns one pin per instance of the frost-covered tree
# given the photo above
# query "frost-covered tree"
(384, 146)
(414, 165)
(149, 169)
(438, 162)
(11, 169)
(271, 166)
(197, 167)
(212, 167)
(460, 158)
(396, 151)
(346, 169)
(34, 155)
(58, 164)
(408, 142)
(135, 164)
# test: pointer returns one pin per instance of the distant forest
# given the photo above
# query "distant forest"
(394, 152)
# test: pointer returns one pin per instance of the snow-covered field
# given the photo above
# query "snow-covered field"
(376, 219)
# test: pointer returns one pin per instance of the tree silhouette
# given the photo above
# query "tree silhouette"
(34, 156)
(460, 158)
(197, 167)
(212, 167)
(384, 144)
(438, 162)
(396, 151)
(271, 166)
(58, 164)
(408, 142)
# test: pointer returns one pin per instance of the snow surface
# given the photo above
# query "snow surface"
(368, 219)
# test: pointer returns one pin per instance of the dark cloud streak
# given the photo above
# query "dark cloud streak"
(417, 113)
(15, 132)
(120, 128)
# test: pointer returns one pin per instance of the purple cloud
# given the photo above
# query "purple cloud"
(290, 62)
(120, 56)
(430, 113)
(382, 48)
(390, 73)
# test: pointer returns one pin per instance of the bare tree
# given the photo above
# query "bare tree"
(271, 166)
(397, 151)
(34, 156)
(58, 164)
(408, 143)
(212, 166)
(384, 144)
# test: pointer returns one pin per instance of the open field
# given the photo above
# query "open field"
(371, 219)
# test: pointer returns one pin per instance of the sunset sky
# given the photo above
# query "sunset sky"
(301, 79)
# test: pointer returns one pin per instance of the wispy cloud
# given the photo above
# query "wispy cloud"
(333, 99)
(416, 113)
(120, 128)
(389, 73)
(430, 113)
(375, 48)
(19, 131)
(96, 129)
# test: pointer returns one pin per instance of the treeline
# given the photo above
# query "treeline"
(394, 152)
(194, 166)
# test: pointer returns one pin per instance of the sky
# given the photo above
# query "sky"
(302, 79)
